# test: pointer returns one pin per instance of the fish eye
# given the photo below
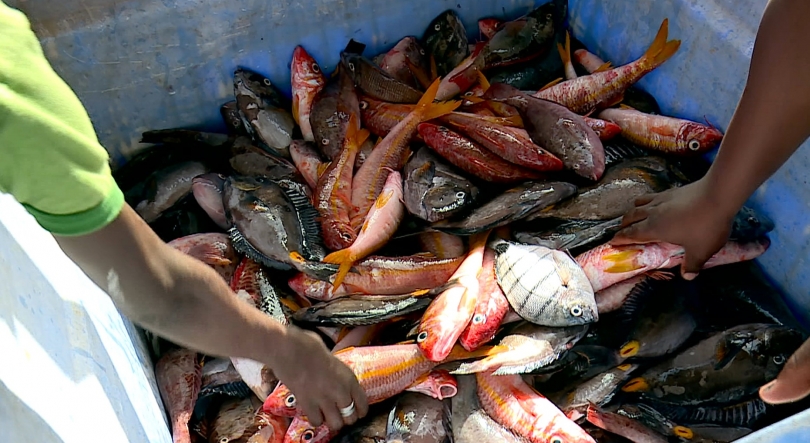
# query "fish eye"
(345, 236)
(442, 129)
(548, 16)
(479, 318)
(309, 434)
(267, 82)
(363, 104)
(325, 141)
(351, 66)
(461, 194)
(694, 145)
(422, 337)
(576, 311)
(468, 94)
(556, 439)
(316, 68)
(421, 52)
(290, 401)
(437, 26)
(778, 359)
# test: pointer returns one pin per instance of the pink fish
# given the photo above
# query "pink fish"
(179, 375)
(307, 80)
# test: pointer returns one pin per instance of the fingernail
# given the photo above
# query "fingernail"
(689, 275)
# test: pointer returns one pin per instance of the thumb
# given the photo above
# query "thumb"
(693, 262)
(793, 383)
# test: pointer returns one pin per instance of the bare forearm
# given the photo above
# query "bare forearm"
(171, 294)
(772, 118)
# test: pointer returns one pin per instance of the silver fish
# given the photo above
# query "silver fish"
(598, 390)
(470, 423)
(544, 286)
(359, 310)
(572, 234)
(433, 190)
(417, 418)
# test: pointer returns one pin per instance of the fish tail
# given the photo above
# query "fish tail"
(595, 416)
(430, 110)
(565, 56)
(482, 80)
(459, 353)
(551, 83)
(622, 261)
(603, 67)
(355, 136)
(345, 258)
(661, 50)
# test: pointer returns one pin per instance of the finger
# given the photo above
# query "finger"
(331, 414)
(633, 234)
(793, 383)
(360, 400)
(351, 419)
(644, 199)
(634, 215)
(313, 412)
(693, 263)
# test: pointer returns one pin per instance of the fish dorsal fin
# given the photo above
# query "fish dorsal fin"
(308, 218)
(243, 246)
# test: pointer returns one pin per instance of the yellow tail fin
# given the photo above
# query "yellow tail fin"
(551, 83)
(565, 56)
(604, 67)
(661, 50)
(459, 353)
(322, 167)
(514, 121)
(430, 110)
(622, 261)
(434, 71)
(345, 259)
(482, 80)
(355, 136)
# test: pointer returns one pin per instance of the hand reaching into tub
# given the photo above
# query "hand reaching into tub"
(771, 121)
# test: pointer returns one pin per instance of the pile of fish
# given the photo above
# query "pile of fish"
(440, 214)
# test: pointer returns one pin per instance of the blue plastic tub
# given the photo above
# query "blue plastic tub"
(73, 370)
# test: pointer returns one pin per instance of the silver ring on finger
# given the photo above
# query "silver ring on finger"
(347, 411)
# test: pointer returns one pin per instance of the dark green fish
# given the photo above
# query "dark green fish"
(701, 433)
(260, 107)
(747, 413)
(598, 390)
(375, 82)
(166, 187)
(433, 190)
(726, 367)
(572, 234)
(445, 39)
(661, 324)
(359, 310)
(521, 39)
(418, 418)
(233, 121)
(252, 161)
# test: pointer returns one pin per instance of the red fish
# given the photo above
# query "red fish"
(307, 161)
(618, 424)
(519, 408)
(382, 276)
(605, 129)
(602, 89)
(307, 82)
(271, 429)
(451, 311)
(490, 310)
(438, 384)
(472, 158)
(489, 26)
(407, 62)
(301, 431)
(382, 221)
(442, 244)
(213, 249)
(179, 375)
(666, 134)
(334, 191)
(389, 154)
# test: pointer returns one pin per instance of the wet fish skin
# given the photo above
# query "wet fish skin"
(302, 431)
(251, 160)
(580, 363)
(207, 190)
(369, 430)
(473, 158)
(409, 63)
(178, 375)
(470, 423)
(572, 235)
(438, 384)
(331, 110)
(726, 367)
(624, 426)
(661, 328)
(490, 308)
(416, 418)
(358, 310)
(441, 244)
(557, 129)
(307, 80)
(260, 106)
(271, 429)
(235, 421)
(432, 190)
(661, 133)
(383, 276)
(380, 117)
(613, 297)
(168, 186)
(230, 114)
(521, 39)
(489, 26)
(307, 160)
(516, 406)
(375, 82)
(514, 204)
(544, 286)
(213, 249)
(598, 390)
(445, 39)
(746, 413)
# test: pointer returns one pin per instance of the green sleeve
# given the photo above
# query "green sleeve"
(50, 158)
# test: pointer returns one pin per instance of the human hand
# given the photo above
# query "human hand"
(322, 384)
(793, 383)
(689, 216)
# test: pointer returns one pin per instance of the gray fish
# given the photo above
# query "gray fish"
(470, 423)
(360, 310)
(581, 363)
(167, 187)
(663, 324)
(528, 348)
(259, 106)
(407, 62)
(274, 226)
(616, 192)
(726, 367)
(370, 429)
(699, 433)
(417, 418)
(572, 234)
(445, 39)
(556, 129)
(746, 413)
(233, 121)
(544, 286)
(433, 190)
(185, 136)
(331, 110)
(750, 225)
(598, 390)
(375, 82)
(510, 206)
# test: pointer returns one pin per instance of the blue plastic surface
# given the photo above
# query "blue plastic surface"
(148, 64)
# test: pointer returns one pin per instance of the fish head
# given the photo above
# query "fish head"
(439, 384)
(697, 138)
(446, 197)
(258, 85)
(306, 73)
(352, 64)
(302, 431)
(501, 92)
(281, 402)
(339, 235)
(445, 33)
